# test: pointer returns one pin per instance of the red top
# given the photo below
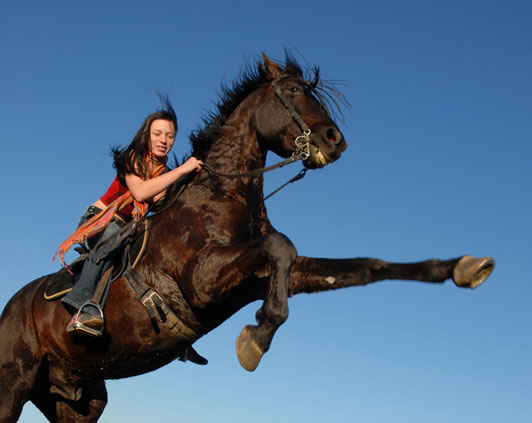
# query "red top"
(115, 190)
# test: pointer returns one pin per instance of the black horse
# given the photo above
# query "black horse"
(210, 253)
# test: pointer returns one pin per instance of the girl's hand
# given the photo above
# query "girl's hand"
(191, 165)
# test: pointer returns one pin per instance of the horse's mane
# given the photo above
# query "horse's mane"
(251, 77)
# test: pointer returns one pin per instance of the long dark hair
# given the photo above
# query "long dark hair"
(132, 159)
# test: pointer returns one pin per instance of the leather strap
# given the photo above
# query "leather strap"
(157, 308)
(102, 285)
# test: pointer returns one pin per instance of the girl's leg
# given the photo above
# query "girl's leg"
(79, 300)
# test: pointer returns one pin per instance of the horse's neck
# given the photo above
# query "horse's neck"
(237, 149)
(241, 199)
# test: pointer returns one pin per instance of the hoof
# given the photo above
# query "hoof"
(471, 272)
(247, 350)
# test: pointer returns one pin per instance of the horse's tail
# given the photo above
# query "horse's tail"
(20, 352)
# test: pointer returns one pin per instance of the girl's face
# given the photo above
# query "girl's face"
(162, 137)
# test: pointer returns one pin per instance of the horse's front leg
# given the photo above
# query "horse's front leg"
(254, 341)
(224, 269)
(317, 275)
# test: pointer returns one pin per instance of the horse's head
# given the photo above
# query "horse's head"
(289, 110)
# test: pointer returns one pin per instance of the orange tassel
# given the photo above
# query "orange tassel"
(100, 221)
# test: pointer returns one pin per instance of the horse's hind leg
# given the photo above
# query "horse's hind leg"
(254, 341)
(87, 409)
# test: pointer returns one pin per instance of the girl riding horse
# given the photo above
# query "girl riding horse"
(142, 178)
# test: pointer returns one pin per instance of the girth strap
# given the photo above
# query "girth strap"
(157, 308)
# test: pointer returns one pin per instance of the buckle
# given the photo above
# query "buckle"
(152, 301)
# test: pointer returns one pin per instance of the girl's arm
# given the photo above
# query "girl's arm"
(149, 190)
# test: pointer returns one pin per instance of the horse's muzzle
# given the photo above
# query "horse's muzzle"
(326, 147)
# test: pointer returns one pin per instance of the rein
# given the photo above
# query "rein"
(302, 151)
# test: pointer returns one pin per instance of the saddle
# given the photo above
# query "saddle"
(130, 243)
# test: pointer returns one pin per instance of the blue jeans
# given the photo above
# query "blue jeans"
(93, 269)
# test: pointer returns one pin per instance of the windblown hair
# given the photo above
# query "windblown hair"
(251, 77)
(132, 159)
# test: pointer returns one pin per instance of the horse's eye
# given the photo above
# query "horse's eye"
(295, 90)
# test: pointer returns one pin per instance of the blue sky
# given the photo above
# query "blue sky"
(439, 164)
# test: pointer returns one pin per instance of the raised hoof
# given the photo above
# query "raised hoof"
(247, 350)
(471, 272)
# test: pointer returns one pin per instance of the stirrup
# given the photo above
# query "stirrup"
(75, 326)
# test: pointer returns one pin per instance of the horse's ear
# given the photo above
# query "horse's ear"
(273, 70)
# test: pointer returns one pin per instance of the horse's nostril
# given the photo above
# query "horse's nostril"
(332, 135)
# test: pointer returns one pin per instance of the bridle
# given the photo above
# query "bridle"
(302, 142)
(293, 112)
